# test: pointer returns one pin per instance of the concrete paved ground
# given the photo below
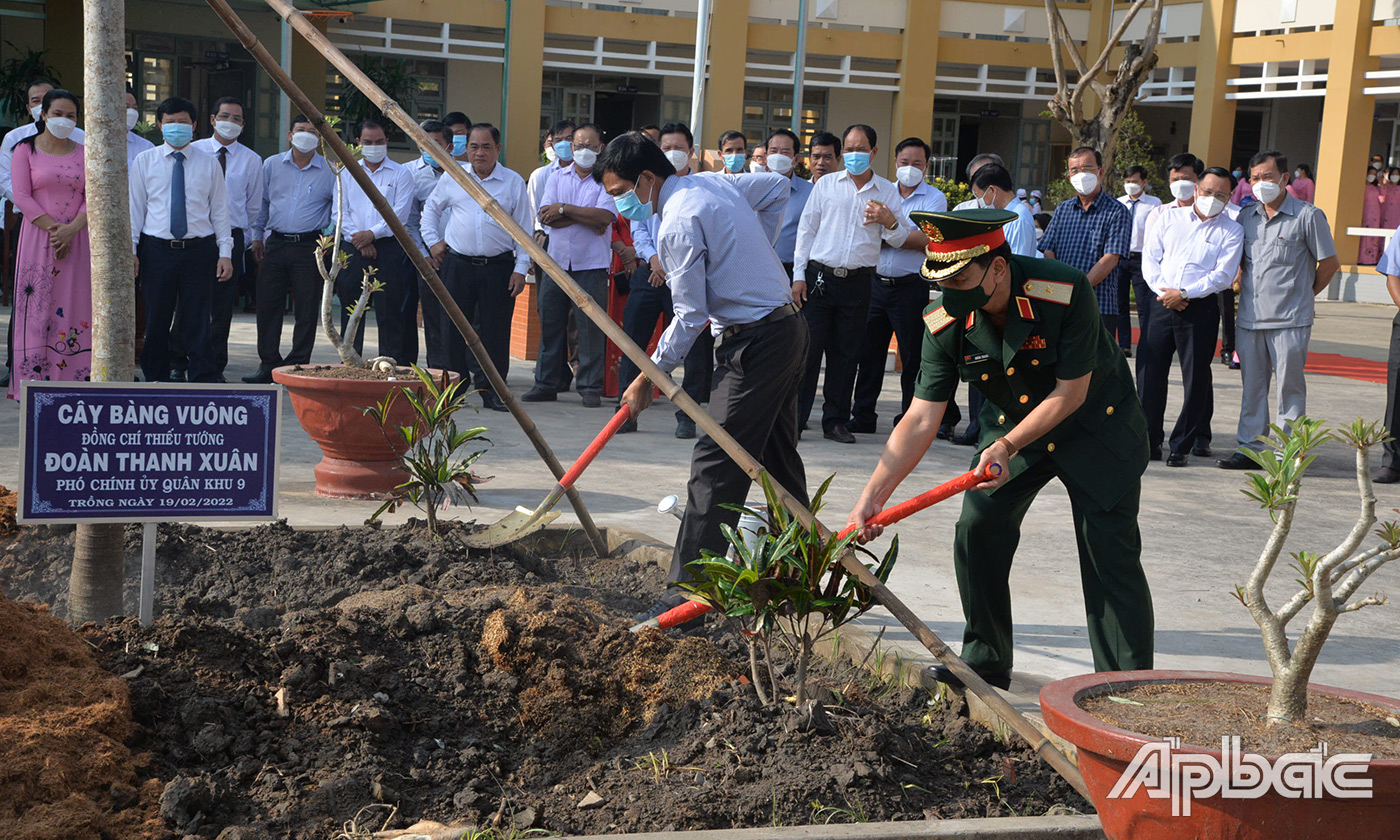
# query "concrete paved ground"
(1200, 534)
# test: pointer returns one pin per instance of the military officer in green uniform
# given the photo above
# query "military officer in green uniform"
(1060, 403)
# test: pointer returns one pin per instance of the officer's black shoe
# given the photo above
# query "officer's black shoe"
(945, 432)
(1385, 475)
(1237, 461)
(539, 395)
(861, 427)
(999, 679)
(1155, 454)
(262, 377)
(177, 375)
(1201, 450)
(685, 428)
(839, 433)
(1176, 459)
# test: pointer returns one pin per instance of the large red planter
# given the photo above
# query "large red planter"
(358, 461)
(1105, 752)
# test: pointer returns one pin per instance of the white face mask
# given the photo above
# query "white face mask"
(305, 141)
(909, 176)
(1134, 190)
(1209, 206)
(1394, 179)
(1266, 191)
(1084, 182)
(133, 117)
(984, 200)
(1371, 179)
(549, 153)
(779, 163)
(585, 158)
(1038, 234)
(756, 167)
(1183, 191)
(60, 127)
(228, 130)
(1375, 164)
(38, 111)
(679, 159)
(374, 154)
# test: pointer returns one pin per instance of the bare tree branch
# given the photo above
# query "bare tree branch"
(1358, 576)
(1113, 39)
(1369, 601)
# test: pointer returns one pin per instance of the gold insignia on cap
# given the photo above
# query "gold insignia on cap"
(932, 232)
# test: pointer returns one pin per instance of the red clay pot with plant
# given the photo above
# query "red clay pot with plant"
(1105, 752)
(358, 460)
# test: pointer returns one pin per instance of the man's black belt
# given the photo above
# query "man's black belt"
(823, 268)
(902, 280)
(783, 312)
(310, 236)
(179, 244)
(498, 259)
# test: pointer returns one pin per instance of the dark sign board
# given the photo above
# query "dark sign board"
(101, 452)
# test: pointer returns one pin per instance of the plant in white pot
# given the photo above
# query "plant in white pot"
(1330, 585)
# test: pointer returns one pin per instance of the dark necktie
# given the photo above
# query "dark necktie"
(178, 225)
(223, 159)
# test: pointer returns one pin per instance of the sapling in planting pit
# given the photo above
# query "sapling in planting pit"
(789, 585)
(1327, 581)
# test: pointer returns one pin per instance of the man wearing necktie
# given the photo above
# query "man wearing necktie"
(1140, 205)
(182, 241)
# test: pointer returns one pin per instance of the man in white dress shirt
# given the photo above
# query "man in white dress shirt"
(480, 264)
(1139, 204)
(135, 143)
(838, 246)
(182, 240)
(724, 277)
(1191, 253)
(898, 295)
(371, 244)
(243, 183)
(426, 176)
(1183, 171)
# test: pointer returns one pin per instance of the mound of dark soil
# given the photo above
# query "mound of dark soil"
(293, 677)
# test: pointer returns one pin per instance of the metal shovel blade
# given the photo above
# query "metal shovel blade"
(520, 522)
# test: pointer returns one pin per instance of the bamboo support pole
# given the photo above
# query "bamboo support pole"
(1018, 722)
(307, 107)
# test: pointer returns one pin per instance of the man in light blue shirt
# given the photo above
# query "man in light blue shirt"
(782, 159)
(898, 295)
(721, 269)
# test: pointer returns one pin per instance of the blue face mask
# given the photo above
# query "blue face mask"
(459, 145)
(856, 162)
(734, 163)
(632, 208)
(177, 134)
(428, 159)
(564, 150)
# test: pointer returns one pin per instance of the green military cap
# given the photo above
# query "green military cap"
(955, 239)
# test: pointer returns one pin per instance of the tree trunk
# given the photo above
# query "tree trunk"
(95, 587)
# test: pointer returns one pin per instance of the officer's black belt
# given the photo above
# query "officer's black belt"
(179, 244)
(310, 236)
(783, 312)
(823, 268)
(902, 280)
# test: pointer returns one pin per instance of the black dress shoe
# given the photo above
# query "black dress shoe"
(629, 426)
(493, 402)
(1176, 459)
(590, 400)
(839, 433)
(945, 432)
(1155, 454)
(1128, 352)
(685, 428)
(998, 679)
(1234, 365)
(1201, 450)
(262, 377)
(965, 440)
(1237, 461)
(861, 427)
(1385, 475)
(539, 395)
(177, 376)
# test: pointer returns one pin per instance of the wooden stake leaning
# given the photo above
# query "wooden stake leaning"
(302, 102)
(669, 387)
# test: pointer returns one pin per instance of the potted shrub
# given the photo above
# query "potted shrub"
(1171, 776)
(358, 460)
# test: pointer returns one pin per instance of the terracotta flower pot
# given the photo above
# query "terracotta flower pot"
(1105, 753)
(358, 461)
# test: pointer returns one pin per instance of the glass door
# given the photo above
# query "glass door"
(1032, 161)
(944, 163)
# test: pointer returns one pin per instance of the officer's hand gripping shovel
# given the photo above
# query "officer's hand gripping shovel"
(890, 515)
(524, 521)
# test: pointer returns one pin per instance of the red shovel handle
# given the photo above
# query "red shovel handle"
(622, 416)
(947, 489)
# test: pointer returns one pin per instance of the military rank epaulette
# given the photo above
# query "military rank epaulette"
(937, 320)
(1052, 291)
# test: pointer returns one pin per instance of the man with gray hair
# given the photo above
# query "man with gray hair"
(978, 161)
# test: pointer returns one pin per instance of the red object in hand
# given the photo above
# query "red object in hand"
(623, 414)
(694, 609)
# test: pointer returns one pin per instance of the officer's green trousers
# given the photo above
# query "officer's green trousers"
(1116, 597)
